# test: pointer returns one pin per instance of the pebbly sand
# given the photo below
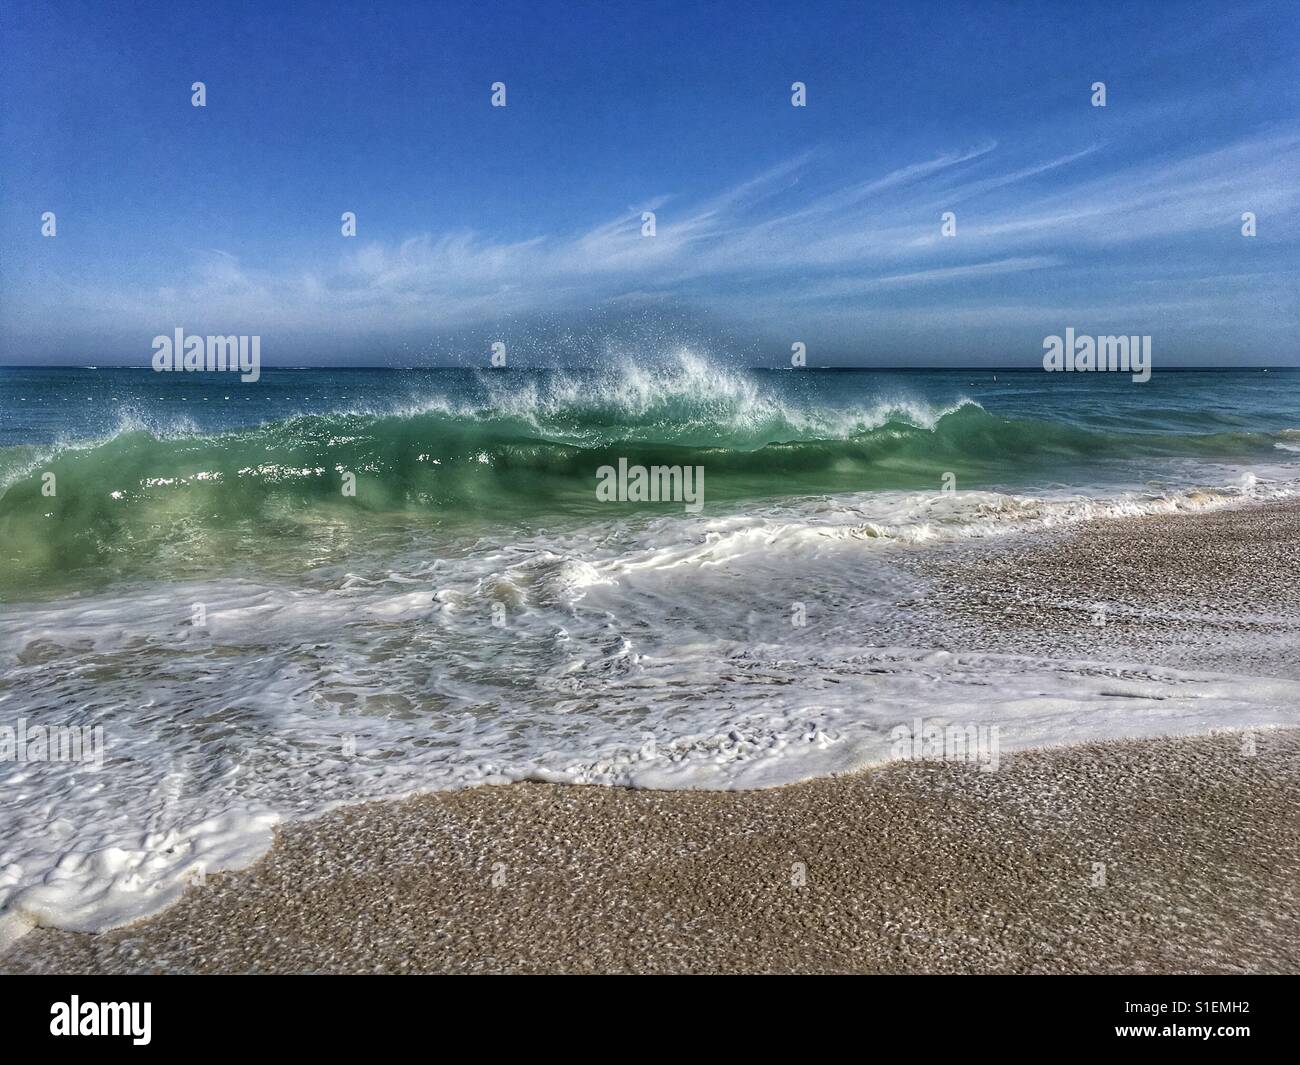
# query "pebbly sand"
(1164, 855)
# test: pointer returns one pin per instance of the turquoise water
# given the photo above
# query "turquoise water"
(180, 474)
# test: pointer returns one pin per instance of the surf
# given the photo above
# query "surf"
(164, 496)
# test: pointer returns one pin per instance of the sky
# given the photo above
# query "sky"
(773, 223)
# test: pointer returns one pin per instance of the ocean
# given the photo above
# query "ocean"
(339, 585)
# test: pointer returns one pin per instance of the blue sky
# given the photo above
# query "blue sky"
(774, 224)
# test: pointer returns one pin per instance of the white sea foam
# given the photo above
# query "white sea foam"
(652, 653)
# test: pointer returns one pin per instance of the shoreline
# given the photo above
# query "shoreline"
(906, 867)
(1152, 856)
(1178, 590)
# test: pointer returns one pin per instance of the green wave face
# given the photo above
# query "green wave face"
(275, 495)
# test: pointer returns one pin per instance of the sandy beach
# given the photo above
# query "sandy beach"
(915, 868)
(1154, 856)
(1215, 590)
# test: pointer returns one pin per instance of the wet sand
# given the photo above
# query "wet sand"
(1214, 590)
(918, 867)
(1155, 856)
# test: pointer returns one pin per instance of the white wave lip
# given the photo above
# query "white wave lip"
(703, 402)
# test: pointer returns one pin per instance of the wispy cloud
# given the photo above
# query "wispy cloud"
(780, 236)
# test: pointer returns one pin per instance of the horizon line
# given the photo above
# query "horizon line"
(773, 369)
